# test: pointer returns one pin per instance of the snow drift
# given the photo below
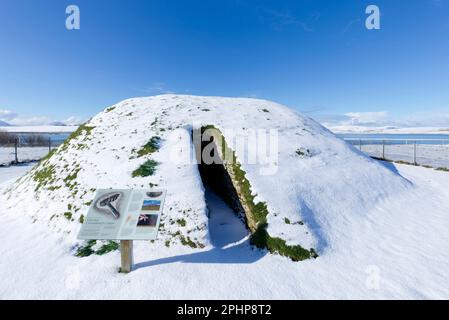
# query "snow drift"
(313, 179)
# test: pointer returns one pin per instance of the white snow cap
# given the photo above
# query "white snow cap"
(312, 177)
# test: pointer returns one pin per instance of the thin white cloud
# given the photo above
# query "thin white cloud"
(12, 118)
(279, 20)
(356, 118)
(427, 120)
(436, 3)
(350, 24)
(30, 121)
(6, 115)
(73, 121)
(383, 119)
(156, 88)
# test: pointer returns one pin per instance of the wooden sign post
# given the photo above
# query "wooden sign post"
(126, 252)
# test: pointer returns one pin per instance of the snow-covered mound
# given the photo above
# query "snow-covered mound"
(313, 179)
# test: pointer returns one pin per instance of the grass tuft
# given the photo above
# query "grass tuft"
(44, 176)
(181, 222)
(303, 152)
(150, 147)
(87, 250)
(146, 169)
(262, 239)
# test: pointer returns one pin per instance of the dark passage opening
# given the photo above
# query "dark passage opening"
(227, 222)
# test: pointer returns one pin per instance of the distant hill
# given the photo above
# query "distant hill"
(4, 124)
(58, 123)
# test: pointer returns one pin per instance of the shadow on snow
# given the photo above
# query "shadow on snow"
(229, 237)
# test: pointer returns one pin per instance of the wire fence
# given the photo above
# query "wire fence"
(425, 152)
(16, 149)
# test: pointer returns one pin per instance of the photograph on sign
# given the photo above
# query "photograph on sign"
(147, 220)
(151, 205)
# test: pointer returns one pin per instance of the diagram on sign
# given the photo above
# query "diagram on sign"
(109, 204)
(131, 214)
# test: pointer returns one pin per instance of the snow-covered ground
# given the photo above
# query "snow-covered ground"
(426, 154)
(13, 172)
(39, 129)
(24, 154)
(385, 130)
(302, 182)
(397, 249)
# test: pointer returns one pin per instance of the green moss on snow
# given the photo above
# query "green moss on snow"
(181, 222)
(68, 215)
(87, 249)
(82, 129)
(150, 147)
(259, 211)
(44, 175)
(146, 169)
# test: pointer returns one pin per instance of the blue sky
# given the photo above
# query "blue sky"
(313, 55)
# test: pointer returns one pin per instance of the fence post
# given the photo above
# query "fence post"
(414, 154)
(49, 144)
(16, 146)
(383, 149)
(360, 144)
